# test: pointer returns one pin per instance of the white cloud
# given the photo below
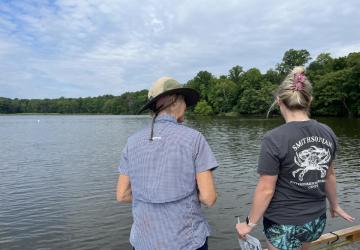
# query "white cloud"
(94, 47)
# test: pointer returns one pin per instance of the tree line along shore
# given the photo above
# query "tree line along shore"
(336, 91)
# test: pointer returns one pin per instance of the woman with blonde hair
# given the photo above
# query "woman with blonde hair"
(296, 167)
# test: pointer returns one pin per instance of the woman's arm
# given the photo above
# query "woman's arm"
(123, 191)
(263, 194)
(206, 186)
(330, 189)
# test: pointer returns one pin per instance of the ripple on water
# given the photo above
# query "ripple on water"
(58, 178)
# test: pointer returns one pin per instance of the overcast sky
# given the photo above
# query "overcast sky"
(76, 48)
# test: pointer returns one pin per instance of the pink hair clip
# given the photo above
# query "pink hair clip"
(299, 80)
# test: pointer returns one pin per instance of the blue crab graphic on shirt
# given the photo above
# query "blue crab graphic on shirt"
(313, 158)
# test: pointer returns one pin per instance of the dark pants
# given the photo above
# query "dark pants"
(204, 247)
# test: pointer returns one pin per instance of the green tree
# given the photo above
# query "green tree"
(251, 79)
(203, 108)
(339, 63)
(5, 105)
(235, 74)
(336, 85)
(109, 107)
(136, 100)
(322, 65)
(353, 59)
(331, 96)
(273, 76)
(256, 101)
(202, 82)
(222, 95)
(293, 58)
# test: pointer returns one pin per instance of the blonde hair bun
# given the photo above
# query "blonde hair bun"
(295, 91)
(298, 69)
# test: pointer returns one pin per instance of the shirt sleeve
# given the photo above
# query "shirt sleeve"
(204, 157)
(269, 163)
(336, 146)
(124, 162)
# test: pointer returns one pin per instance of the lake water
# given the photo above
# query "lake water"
(58, 176)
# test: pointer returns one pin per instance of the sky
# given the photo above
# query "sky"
(80, 48)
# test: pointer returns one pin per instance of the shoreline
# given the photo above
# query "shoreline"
(191, 115)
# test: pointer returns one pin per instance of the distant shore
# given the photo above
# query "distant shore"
(189, 114)
(336, 91)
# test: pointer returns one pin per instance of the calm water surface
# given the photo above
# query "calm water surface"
(58, 176)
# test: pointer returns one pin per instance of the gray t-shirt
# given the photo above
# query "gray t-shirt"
(300, 154)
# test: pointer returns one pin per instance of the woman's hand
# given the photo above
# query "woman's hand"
(243, 229)
(337, 210)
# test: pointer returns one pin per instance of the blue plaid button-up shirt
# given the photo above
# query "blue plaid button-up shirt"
(166, 209)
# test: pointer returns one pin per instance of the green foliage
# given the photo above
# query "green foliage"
(293, 58)
(202, 82)
(273, 76)
(235, 74)
(336, 91)
(328, 94)
(251, 79)
(353, 59)
(222, 95)
(128, 103)
(255, 101)
(321, 66)
(5, 105)
(203, 108)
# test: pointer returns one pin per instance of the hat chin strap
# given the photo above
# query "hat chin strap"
(157, 111)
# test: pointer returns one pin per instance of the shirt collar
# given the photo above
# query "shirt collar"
(166, 118)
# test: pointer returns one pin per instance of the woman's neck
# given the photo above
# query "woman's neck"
(165, 112)
(179, 118)
(292, 116)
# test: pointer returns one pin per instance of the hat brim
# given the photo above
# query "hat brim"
(191, 98)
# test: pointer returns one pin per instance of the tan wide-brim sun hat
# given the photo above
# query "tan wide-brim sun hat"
(169, 86)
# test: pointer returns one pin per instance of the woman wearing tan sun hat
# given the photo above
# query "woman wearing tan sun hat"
(166, 172)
